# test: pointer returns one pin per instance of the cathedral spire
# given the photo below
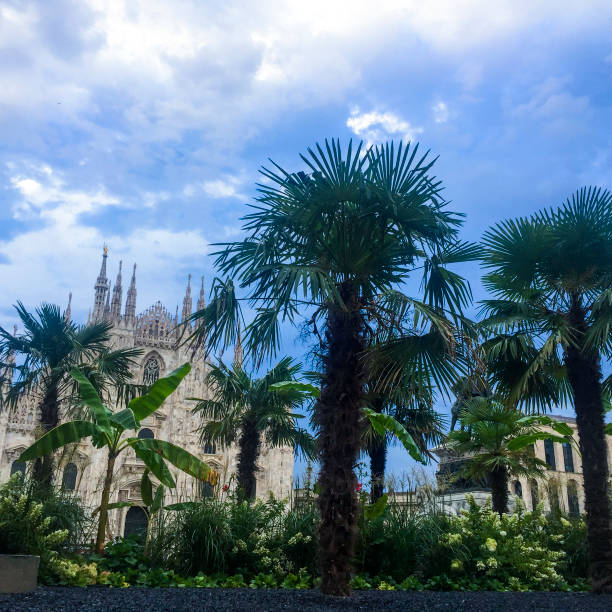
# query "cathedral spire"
(187, 302)
(68, 311)
(130, 304)
(101, 287)
(115, 309)
(201, 300)
(107, 308)
(238, 352)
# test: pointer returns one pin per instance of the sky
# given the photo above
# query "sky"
(142, 125)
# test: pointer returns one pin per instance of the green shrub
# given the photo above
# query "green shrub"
(25, 529)
(236, 538)
(483, 551)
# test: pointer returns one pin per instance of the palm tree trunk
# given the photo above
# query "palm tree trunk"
(49, 418)
(249, 445)
(498, 480)
(378, 462)
(584, 373)
(338, 413)
(101, 536)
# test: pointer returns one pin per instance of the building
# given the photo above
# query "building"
(560, 488)
(82, 467)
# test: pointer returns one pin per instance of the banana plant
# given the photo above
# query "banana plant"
(107, 428)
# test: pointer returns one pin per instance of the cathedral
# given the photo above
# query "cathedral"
(81, 467)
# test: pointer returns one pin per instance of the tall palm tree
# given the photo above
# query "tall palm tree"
(488, 430)
(246, 410)
(335, 244)
(50, 347)
(551, 276)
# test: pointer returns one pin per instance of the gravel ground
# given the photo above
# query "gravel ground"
(96, 599)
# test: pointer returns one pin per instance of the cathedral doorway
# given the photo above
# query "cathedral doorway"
(136, 522)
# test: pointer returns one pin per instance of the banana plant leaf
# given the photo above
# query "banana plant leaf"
(89, 396)
(561, 428)
(124, 419)
(382, 423)
(146, 488)
(63, 434)
(291, 385)
(156, 465)
(148, 403)
(373, 511)
(527, 439)
(176, 455)
(158, 500)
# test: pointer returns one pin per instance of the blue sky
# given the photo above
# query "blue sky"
(143, 124)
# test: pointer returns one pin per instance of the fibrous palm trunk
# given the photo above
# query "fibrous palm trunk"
(49, 418)
(108, 480)
(498, 480)
(249, 446)
(378, 462)
(338, 414)
(585, 376)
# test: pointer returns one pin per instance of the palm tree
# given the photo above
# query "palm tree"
(488, 433)
(335, 244)
(551, 275)
(50, 347)
(415, 413)
(246, 410)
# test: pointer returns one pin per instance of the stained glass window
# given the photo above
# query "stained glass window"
(151, 371)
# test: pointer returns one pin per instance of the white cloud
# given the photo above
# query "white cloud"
(375, 127)
(62, 252)
(222, 188)
(440, 112)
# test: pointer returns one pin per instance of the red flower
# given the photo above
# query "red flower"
(359, 487)
(225, 487)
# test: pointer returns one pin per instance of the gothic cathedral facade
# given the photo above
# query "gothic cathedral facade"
(81, 467)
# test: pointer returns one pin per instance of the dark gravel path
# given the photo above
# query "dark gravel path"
(95, 599)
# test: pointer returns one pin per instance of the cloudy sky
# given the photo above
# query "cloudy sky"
(143, 124)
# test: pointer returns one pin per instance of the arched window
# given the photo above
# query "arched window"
(568, 457)
(146, 434)
(69, 477)
(151, 371)
(549, 453)
(18, 466)
(518, 488)
(136, 522)
(535, 496)
(210, 448)
(573, 506)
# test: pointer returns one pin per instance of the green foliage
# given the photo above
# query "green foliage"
(24, 529)
(37, 522)
(514, 551)
(497, 437)
(214, 536)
